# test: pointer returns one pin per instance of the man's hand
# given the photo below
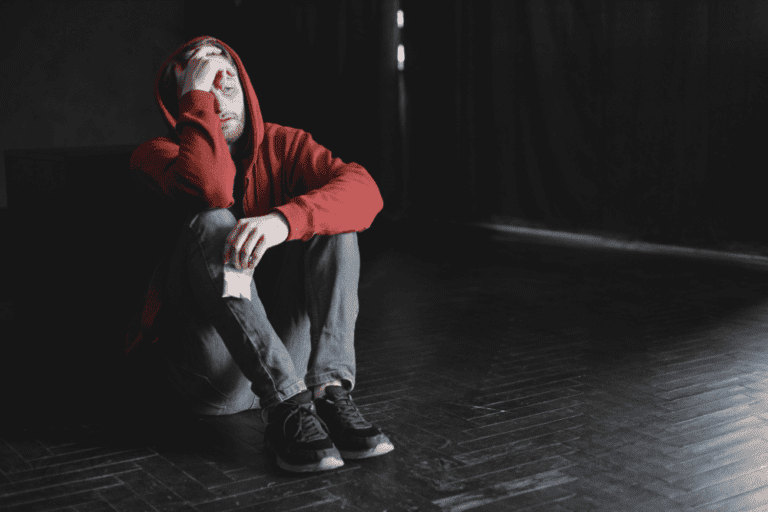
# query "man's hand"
(251, 238)
(205, 67)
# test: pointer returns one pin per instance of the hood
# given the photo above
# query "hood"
(253, 132)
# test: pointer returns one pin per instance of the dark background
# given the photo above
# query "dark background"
(638, 119)
(643, 119)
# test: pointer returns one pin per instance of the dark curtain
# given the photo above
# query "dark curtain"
(644, 117)
(326, 67)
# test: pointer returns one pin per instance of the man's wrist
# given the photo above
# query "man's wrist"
(279, 216)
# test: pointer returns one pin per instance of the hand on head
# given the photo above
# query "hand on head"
(205, 69)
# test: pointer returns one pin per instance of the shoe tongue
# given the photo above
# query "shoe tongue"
(336, 392)
(303, 398)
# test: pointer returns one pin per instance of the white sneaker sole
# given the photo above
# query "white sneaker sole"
(332, 461)
(381, 449)
(323, 464)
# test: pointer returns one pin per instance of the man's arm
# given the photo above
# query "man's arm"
(339, 197)
(198, 169)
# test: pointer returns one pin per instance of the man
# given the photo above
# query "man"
(263, 198)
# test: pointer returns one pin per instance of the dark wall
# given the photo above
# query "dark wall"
(638, 118)
(642, 119)
(80, 73)
(327, 67)
(645, 119)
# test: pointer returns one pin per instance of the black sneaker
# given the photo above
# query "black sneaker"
(297, 439)
(353, 436)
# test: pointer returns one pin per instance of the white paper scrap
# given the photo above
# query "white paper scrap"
(237, 282)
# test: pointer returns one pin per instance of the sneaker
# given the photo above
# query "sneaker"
(353, 436)
(297, 439)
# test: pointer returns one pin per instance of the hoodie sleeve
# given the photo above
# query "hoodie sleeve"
(198, 169)
(329, 196)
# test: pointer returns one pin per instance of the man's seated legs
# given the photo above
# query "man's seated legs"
(325, 272)
(214, 336)
(304, 305)
(224, 346)
(309, 290)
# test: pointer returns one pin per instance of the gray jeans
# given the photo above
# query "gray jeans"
(226, 355)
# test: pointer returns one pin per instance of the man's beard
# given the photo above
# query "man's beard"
(233, 130)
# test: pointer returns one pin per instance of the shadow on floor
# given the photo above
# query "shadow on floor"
(510, 375)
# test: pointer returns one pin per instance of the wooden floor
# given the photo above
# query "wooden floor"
(509, 375)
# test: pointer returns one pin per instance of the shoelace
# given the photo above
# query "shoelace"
(348, 413)
(310, 427)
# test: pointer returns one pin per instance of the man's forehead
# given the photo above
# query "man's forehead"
(216, 50)
(192, 51)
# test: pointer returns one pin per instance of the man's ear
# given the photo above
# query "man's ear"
(177, 70)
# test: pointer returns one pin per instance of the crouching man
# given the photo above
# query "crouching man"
(269, 208)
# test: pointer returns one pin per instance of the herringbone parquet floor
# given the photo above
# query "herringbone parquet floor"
(510, 376)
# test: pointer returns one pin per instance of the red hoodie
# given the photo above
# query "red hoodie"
(285, 170)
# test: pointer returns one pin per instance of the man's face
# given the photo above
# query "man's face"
(229, 102)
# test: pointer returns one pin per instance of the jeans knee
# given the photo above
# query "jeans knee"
(212, 226)
(342, 245)
(322, 250)
(214, 218)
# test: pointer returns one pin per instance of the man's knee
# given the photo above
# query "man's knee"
(214, 218)
(211, 224)
(342, 245)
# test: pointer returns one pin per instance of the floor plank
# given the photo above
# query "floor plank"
(517, 376)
